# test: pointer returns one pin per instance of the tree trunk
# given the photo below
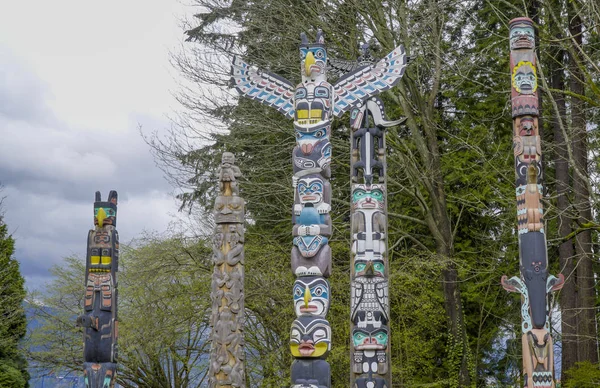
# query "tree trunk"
(586, 322)
(568, 296)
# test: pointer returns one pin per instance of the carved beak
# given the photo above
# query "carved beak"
(308, 62)
(307, 297)
(101, 216)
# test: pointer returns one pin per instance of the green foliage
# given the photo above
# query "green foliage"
(13, 324)
(583, 375)
(164, 307)
(11, 377)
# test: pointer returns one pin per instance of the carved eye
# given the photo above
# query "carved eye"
(319, 134)
(298, 292)
(359, 267)
(318, 291)
(319, 335)
(320, 54)
(316, 187)
(295, 335)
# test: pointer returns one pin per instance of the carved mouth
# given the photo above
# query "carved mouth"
(310, 309)
(306, 349)
(307, 198)
(368, 205)
(370, 347)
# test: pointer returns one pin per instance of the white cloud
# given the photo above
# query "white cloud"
(76, 81)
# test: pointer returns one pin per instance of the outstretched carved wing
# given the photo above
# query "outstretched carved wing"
(368, 81)
(267, 88)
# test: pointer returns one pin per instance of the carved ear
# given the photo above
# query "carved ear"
(303, 38)
(112, 197)
(98, 196)
(320, 37)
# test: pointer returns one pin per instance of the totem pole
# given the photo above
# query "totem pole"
(100, 304)
(313, 104)
(535, 283)
(370, 311)
(226, 367)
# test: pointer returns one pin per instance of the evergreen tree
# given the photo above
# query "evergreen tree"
(13, 323)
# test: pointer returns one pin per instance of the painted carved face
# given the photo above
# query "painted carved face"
(229, 209)
(368, 197)
(526, 126)
(307, 139)
(522, 36)
(310, 189)
(105, 213)
(309, 245)
(370, 338)
(364, 267)
(524, 78)
(313, 61)
(311, 296)
(310, 337)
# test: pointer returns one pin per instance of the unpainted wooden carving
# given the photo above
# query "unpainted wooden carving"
(226, 367)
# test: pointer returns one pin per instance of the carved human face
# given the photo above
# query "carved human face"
(524, 78)
(311, 296)
(229, 209)
(368, 197)
(522, 36)
(526, 126)
(370, 338)
(228, 158)
(310, 189)
(310, 337)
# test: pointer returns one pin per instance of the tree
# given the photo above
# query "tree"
(164, 305)
(13, 324)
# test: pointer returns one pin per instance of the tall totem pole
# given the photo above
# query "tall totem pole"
(100, 304)
(370, 310)
(313, 104)
(535, 283)
(227, 320)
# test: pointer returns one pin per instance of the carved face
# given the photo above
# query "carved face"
(229, 209)
(228, 158)
(368, 197)
(527, 126)
(311, 296)
(310, 189)
(309, 245)
(313, 62)
(522, 36)
(310, 337)
(524, 78)
(307, 140)
(108, 214)
(364, 267)
(370, 338)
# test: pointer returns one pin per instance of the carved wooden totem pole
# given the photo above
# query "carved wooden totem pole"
(535, 283)
(100, 304)
(227, 320)
(370, 310)
(313, 104)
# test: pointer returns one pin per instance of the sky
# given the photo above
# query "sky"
(77, 81)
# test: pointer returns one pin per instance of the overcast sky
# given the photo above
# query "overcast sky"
(77, 78)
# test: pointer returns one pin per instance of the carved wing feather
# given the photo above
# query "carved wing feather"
(267, 88)
(368, 81)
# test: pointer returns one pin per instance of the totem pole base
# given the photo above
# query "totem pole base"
(99, 375)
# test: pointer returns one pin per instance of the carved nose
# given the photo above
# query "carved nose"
(307, 148)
